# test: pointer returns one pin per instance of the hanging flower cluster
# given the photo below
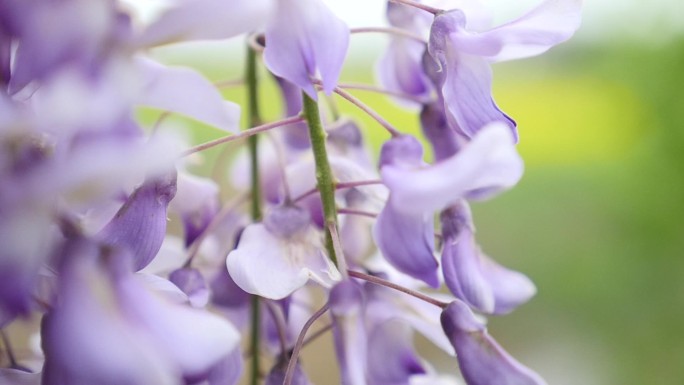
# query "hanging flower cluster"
(86, 193)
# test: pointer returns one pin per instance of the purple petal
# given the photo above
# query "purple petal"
(186, 92)
(481, 360)
(472, 276)
(445, 142)
(206, 19)
(140, 225)
(305, 37)
(392, 359)
(404, 150)
(349, 333)
(550, 23)
(18, 377)
(192, 283)
(407, 242)
(488, 165)
(400, 69)
(466, 78)
(197, 203)
(296, 135)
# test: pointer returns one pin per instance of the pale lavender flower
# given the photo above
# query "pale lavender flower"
(290, 254)
(481, 360)
(487, 165)
(464, 56)
(304, 39)
(347, 307)
(472, 276)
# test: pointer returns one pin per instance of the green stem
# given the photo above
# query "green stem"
(324, 177)
(254, 119)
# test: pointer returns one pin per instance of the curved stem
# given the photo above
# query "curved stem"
(415, 4)
(391, 285)
(371, 88)
(317, 334)
(357, 212)
(280, 323)
(324, 177)
(358, 103)
(389, 30)
(244, 134)
(338, 186)
(289, 374)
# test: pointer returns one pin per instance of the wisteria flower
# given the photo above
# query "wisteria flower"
(305, 38)
(289, 251)
(481, 360)
(463, 57)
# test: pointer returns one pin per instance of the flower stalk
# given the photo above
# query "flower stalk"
(324, 177)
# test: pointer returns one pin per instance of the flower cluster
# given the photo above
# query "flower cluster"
(86, 192)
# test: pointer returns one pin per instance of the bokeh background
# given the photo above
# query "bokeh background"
(598, 219)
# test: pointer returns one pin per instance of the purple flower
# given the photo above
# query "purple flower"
(400, 69)
(140, 338)
(484, 167)
(481, 360)
(139, 226)
(392, 359)
(472, 276)
(406, 240)
(277, 257)
(347, 307)
(463, 57)
(304, 38)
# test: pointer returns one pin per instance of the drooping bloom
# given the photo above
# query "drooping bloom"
(472, 276)
(406, 240)
(289, 251)
(463, 57)
(303, 39)
(481, 360)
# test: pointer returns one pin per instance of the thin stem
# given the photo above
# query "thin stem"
(324, 177)
(162, 117)
(317, 334)
(244, 134)
(338, 186)
(415, 4)
(389, 30)
(229, 83)
(280, 323)
(371, 88)
(289, 374)
(357, 212)
(386, 283)
(358, 103)
(254, 119)
(337, 244)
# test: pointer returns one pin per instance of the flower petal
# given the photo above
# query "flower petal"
(140, 225)
(392, 359)
(550, 23)
(206, 19)
(407, 242)
(272, 267)
(481, 360)
(349, 332)
(303, 37)
(466, 77)
(186, 92)
(488, 165)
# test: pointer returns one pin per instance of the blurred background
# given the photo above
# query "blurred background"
(598, 220)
